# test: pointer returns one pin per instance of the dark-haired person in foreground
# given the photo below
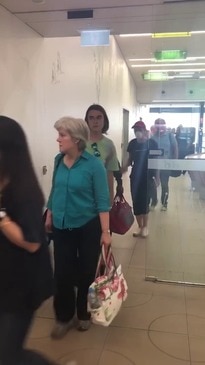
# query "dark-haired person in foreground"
(26, 278)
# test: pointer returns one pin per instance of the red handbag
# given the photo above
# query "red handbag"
(121, 216)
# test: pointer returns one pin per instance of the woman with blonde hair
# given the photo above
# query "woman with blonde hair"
(78, 212)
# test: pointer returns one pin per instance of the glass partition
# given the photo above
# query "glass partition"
(175, 250)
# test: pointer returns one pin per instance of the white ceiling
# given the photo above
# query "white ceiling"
(49, 19)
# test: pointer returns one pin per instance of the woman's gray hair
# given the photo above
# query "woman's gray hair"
(77, 128)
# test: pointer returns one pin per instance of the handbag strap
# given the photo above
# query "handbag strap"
(105, 258)
(118, 198)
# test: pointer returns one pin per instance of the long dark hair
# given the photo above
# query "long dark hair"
(16, 165)
(99, 108)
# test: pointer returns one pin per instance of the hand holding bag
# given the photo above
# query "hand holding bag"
(121, 216)
(107, 292)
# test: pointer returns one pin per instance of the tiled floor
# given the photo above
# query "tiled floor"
(160, 323)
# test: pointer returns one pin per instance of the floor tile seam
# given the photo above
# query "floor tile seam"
(198, 337)
(42, 317)
(84, 348)
(137, 267)
(167, 332)
(129, 328)
(165, 316)
(150, 298)
(195, 298)
(103, 347)
(187, 324)
(147, 330)
(120, 353)
(166, 353)
(99, 348)
(133, 250)
(169, 296)
(140, 292)
(134, 267)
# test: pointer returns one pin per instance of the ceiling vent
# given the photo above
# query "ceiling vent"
(80, 14)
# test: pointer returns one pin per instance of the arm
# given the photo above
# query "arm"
(102, 200)
(48, 221)
(105, 223)
(112, 166)
(154, 146)
(118, 178)
(127, 164)
(14, 234)
(176, 150)
(110, 185)
(129, 159)
(174, 146)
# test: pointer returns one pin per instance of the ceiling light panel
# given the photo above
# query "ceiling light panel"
(171, 35)
(136, 35)
(164, 35)
(168, 64)
(141, 59)
(195, 58)
(179, 70)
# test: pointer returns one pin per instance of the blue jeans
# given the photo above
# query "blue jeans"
(13, 330)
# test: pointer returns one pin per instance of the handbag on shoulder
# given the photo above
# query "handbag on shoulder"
(121, 216)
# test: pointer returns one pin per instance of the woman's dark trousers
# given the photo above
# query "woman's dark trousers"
(76, 253)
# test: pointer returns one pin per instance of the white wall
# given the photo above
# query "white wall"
(44, 79)
(76, 77)
(22, 89)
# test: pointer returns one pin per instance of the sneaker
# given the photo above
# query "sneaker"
(60, 329)
(145, 232)
(138, 233)
(84, 325)
(163, 208)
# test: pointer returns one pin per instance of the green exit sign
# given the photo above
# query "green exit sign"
(170, 55)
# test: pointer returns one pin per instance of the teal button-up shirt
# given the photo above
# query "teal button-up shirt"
(78, 193)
